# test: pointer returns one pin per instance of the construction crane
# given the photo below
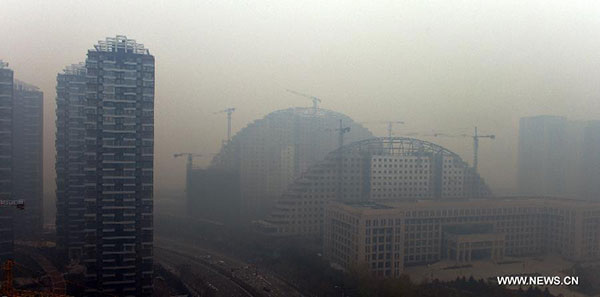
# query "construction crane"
(228, 111)
(314, 99)
(188, 166)
(475, 138)
(342, 130)
(390, 125)
(7, 285)
(476, 146)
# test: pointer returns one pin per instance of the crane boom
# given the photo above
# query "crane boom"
(475, 138)
(314, 99)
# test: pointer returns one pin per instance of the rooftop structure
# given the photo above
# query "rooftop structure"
(121, 43)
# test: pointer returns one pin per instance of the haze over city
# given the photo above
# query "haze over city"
(300, 148)
(436, 65)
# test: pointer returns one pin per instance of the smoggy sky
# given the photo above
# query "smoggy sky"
(438, 65)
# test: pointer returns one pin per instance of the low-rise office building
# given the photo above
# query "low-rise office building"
(387, 236)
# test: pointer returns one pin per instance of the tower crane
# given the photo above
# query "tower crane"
(188, 166)
(476, 146)
(342, 130)
(228, 111)
(475, 138)
(314, 99)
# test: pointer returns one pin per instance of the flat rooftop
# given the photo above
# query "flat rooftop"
(393, 206)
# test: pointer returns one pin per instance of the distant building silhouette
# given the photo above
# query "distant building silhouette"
(115, 170)
(590, 161)
(558, 157)
(542, 156)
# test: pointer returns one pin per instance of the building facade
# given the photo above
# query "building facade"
(70, 161)
(117, 175)
(28, 126)
(383, 237)
(371, 170)
(6, 159)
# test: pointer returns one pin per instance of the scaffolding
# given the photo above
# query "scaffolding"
(121, 43)
(75, 69)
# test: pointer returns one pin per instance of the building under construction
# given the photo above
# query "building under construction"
(378, 169)
(252, 170)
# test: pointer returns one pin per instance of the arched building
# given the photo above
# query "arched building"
(375, 169)
(251, 171)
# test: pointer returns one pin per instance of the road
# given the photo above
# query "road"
(262, 283)
(200, 276)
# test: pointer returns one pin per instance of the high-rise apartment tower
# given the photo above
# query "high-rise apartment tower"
(6, 160)
(117, 176)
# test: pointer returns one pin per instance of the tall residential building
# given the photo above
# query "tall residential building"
(28, 111)
(70, 162)
(117, 175)
(542, 156)
(6, 160)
